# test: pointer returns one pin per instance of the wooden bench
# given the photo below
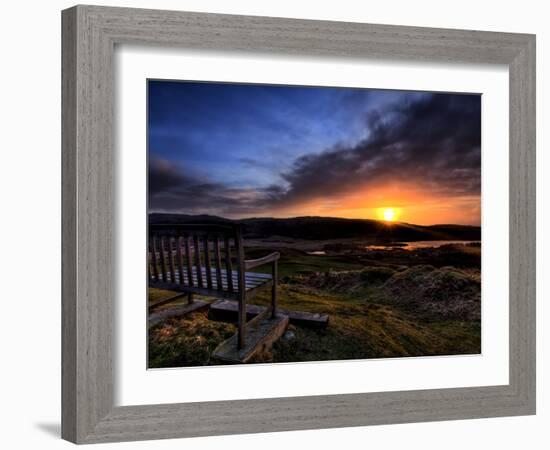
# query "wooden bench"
(208, 259)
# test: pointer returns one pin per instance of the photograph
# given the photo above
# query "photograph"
(292, 224)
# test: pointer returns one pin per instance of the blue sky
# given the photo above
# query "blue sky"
(223, 141)
(209, 127)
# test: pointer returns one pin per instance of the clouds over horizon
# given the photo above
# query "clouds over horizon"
(427, 142)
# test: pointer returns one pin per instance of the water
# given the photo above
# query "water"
(413, 245)
(404, 245)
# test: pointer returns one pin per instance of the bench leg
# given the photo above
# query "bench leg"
(189, 298)
(274, 291)
(242, 319)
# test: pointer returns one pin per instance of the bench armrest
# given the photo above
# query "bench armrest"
(251, 263)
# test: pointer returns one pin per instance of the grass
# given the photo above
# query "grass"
(362, 328)
(187, 341)
(358, 329)
(375, 312)
(294, 262)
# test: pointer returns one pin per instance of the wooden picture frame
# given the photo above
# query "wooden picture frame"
(90, 34)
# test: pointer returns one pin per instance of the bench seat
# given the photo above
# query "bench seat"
(253, 280)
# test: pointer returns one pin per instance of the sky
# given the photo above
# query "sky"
(242, 150)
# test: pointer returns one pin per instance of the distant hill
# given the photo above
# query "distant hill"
(317, 228)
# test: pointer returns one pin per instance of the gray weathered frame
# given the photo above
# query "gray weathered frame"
(89, 36)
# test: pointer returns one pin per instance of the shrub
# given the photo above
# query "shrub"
(447, 292)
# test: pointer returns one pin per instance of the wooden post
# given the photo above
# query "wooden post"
(162, 260)
(241, 287)
(154, 257)
(274, 275)
(228, 268)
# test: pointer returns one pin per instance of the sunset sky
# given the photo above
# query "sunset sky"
(238, 151)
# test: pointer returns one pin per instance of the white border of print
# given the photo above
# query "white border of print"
(135, 385)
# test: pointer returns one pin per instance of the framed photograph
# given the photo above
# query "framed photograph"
(268, 222)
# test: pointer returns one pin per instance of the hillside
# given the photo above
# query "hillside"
(317, 228)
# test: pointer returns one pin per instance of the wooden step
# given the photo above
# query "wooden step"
(260, 337)
(226, 311)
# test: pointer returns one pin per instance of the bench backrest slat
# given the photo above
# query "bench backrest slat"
(218, 257)
(207, 264)
(162, 260)
(228, 265)
(198, 263)
(197, 255)
(189, 261)
(179, 256)
(170, 242)
(154, 258)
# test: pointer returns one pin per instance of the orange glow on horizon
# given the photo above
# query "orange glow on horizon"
(391, 203)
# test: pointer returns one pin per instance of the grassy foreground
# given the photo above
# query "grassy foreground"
(392, 308)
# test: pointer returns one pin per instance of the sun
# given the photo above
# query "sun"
(389, 214)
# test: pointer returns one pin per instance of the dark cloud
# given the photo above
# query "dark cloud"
(163, 176)
(435, 141)
(173, 189)
(432, 140)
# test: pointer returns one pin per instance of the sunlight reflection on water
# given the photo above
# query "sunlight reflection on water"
(413, 245)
